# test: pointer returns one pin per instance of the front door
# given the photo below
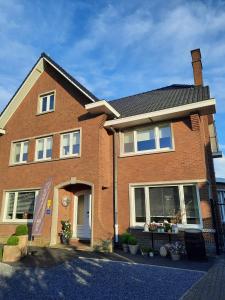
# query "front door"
(82, 215)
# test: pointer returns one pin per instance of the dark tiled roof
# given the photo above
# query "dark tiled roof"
(44, 55)
(163, 98)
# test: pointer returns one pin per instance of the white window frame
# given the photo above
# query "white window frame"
(71, 154)
(21, 152)
(44, 150)
(47, 95)
(157, 149)
(184, 224)
(221, 200)
(14, 220)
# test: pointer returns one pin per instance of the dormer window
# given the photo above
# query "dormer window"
(46, 103)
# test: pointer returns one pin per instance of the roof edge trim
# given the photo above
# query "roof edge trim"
(102, 106)
(162, 114)
(63, 74)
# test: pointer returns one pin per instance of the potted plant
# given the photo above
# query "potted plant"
(22, 234)
(132, 244)
(145, 250)
(124, 241)
(167, 226)
(152, 226)
(176, 250)
(66, 232)
(11, 251)
(151, 252)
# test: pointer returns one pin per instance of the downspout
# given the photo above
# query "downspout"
(115, 185)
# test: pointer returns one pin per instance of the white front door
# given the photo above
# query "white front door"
(82, 216)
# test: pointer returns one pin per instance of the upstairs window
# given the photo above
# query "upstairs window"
(70, 144)
(44, 148)
(20, 152)
(47, 103)
(148, 139)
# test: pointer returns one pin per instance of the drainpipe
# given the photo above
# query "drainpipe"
(115, 185)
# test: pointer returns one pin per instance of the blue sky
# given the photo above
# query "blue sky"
(117, 48)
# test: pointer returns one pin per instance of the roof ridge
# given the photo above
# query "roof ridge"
(166, 88)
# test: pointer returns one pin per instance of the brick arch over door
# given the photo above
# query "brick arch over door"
(72, 181)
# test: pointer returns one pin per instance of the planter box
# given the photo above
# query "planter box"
(23, 242)
(125, 248)
(175, 257)
(133, 249)
(11, 253)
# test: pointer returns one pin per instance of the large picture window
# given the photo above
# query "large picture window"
(20, 205)
(147, 140)
(20, 152)
(70, 144)
(159, 203)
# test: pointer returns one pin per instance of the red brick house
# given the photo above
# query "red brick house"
(115, 165)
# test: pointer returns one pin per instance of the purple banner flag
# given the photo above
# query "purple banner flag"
(40, 206)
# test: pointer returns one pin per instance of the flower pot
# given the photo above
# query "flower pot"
(23, 242)
(144, 253)
(64, 240)
(11, 253)
(175, 257)
(151, 254)
(133, 249)
(125, 248)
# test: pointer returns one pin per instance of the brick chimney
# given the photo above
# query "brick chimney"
(197, 66)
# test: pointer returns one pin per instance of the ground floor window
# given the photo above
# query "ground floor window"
(221, 199)
(19, 205)
(174, 203)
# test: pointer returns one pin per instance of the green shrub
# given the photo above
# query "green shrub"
(13, 240)
(21, 230)
(146, 249)
(125, 237)
(132, 240)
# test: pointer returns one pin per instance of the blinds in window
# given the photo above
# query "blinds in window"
(11, 199)
(25, 202)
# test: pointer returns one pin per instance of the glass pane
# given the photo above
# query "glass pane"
(44, 104)
(164, 203)
(165, 137)
(49, 148)
(40, 149)
(191, 205)
(66, 144)
(128, 142)
(25, 205)
(76, 142)
(145, 140)
(9, 212)
(17, 152)
(140, 214)
(52, 99)
(25, 151)
(80, 210)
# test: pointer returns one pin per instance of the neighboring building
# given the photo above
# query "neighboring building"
(117, 164)
(220, 182)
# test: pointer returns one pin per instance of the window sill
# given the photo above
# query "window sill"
(181, 227)
(44, 113)
(44, 161)
(146, 152)
(15, 222)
